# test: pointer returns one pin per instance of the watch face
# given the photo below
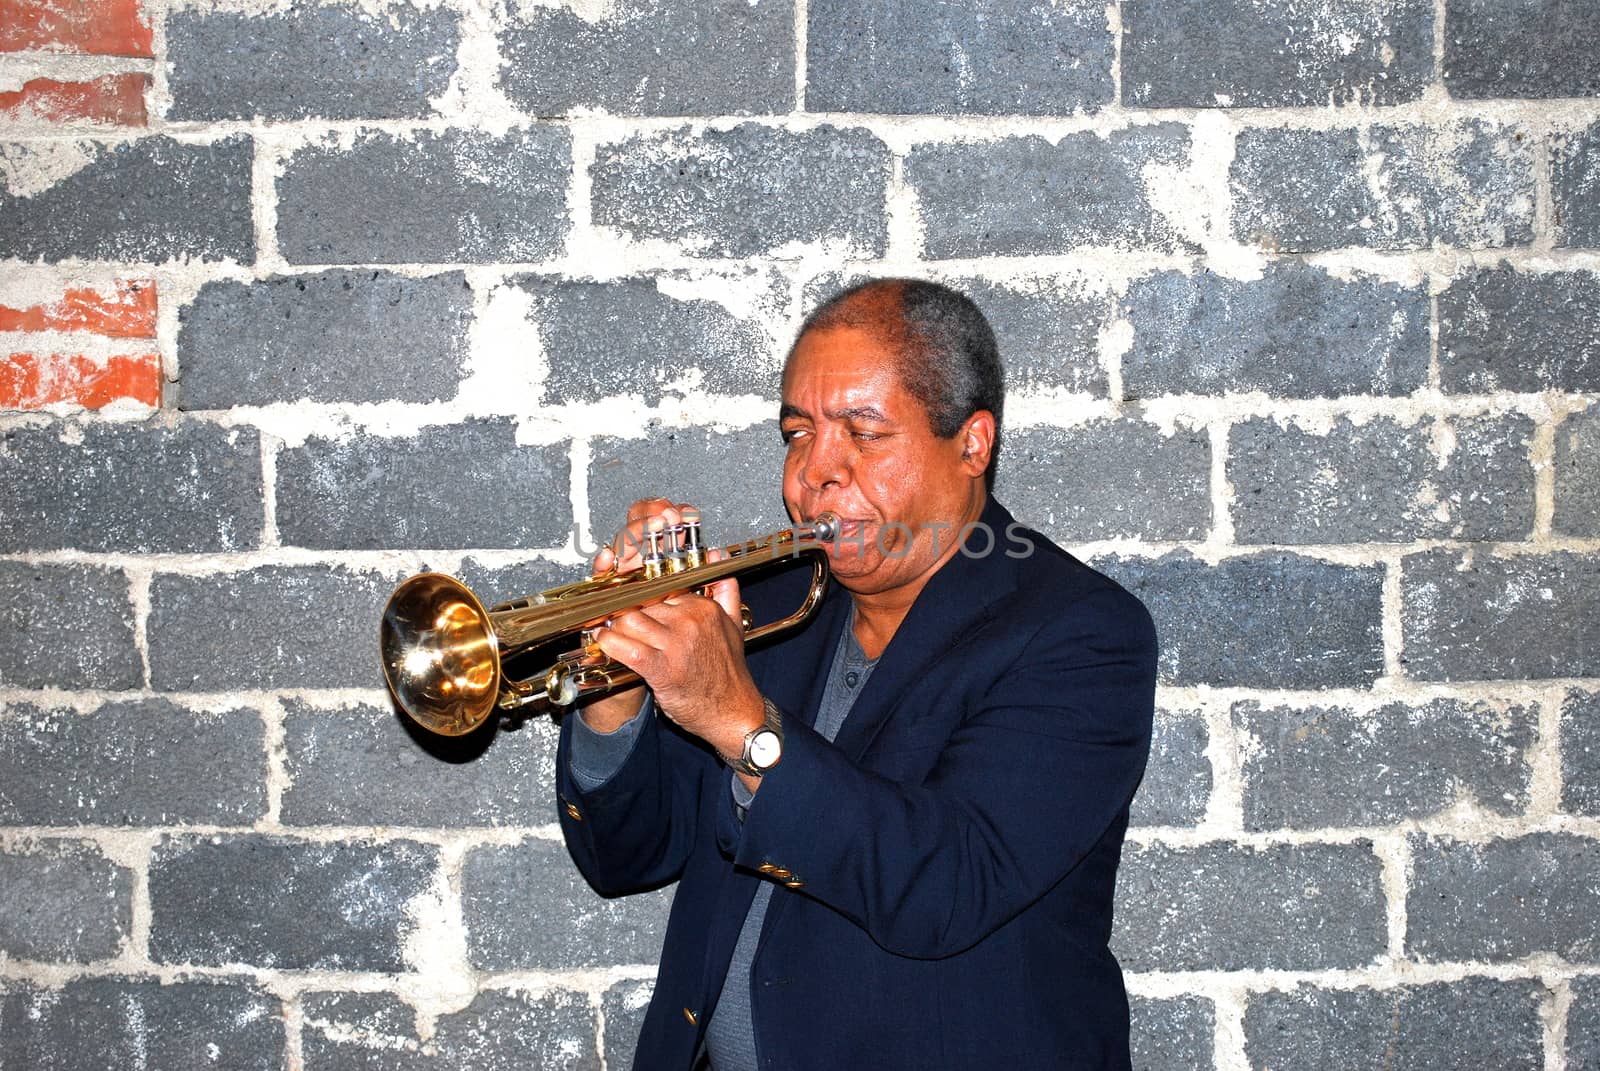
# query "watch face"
(765, 748)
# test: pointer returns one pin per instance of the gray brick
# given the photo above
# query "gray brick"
(652, 57)
(1226, 907)
(1504, 899)
(735, 478)
(749, 191)
(1331, 766)
(495, 584)
(66, 626)
(1522, 48)
(1580, 753)
(1260, 621)
(152, 199)
(448, 486)
(1108, 479)
(152, 486)
(346, 64)
(64, 901)
(1475, 616)
(331, 756)
(1172, 1034)
(1468, 184)
(133, 762)
(1247, 54)
(635, 337)
(1583, 1024)
(276, 903)
(1297, 332)
(457, 197)
(141, 1022)
(1578, 475)
(992, 57)
(1501, 329)
(623, 1006)
(1575, 186)
(333, 336)
(1177, 778)
(561, 923)
(1025, 195)
(1475, 1022)
(277, 626)
(498, 1031)
(1382, 481)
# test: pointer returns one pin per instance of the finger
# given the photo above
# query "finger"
(644, 626)
(725, 592)
(603, 562)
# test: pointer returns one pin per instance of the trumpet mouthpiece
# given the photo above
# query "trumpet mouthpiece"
(825, 527)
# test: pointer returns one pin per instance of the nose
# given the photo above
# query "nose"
(825, 464)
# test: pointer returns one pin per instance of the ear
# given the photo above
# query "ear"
(977, 443)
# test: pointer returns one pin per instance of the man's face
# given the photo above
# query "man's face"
(861, 446)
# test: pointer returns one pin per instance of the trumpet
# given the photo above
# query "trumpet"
(444, 654)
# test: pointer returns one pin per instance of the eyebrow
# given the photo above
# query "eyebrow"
(870, 413)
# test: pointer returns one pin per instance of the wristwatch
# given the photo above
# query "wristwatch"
(763, 745)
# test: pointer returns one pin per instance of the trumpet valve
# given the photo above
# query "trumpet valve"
(694, 554)
(655, 554)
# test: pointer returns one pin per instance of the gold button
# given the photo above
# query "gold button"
(794, 884)
(694, 1020)
(781, 874)
(767, 868)
(574, 813)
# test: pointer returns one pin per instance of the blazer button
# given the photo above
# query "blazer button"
(573, 812)
(767, 868)
(694, 1020)
(781, 874)
(794, 884)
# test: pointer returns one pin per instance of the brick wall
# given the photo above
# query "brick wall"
(1299, 302)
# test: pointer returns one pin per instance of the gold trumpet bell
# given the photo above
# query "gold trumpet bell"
(440, 654)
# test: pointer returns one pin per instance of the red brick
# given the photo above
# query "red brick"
(98, 27)
(30, 381)
(128, 312)
(116, 98)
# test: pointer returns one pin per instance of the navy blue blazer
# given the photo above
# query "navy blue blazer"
(946, 867)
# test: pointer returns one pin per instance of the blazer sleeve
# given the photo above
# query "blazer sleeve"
(1025, 787)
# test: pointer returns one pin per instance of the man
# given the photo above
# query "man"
(895, 834)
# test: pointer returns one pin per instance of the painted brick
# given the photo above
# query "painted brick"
(33, 381)
(1575, 186)
(1382, 481)
(150, 200)
(652, 57)
(1108, 479)
(97, 27)
(1469, 184)
(498, 1031)
(1177, 778)
(114, 100)
(747, 191)
(1025, 195)
(1172, 1034)
(1503, 899)
(1498, 49)
(503, 583)
(277, 903)
(330, 756)
(123, 309)
(67, 626)
(1475, 616)
(1285, 907)
(64, 902)
(560, 923)
(1481, 1022)
(624, 1006)
(1225, 624)
(1297, 332)
(148, 487)
(457, 197)
(332, 336)
(115, 1022)
(1583, 1024)
(1578, 475)
(1580, 753)
(1501, 329)
(1248, 54)
(273, 627)
(342, 494)
(347, 63)
(131, 762)
(993, 57)
(1331, 766)
(638, 337)
(735, 478)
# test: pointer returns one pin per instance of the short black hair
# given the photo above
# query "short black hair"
(947, 354)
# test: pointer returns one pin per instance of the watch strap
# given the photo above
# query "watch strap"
(771, 720)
